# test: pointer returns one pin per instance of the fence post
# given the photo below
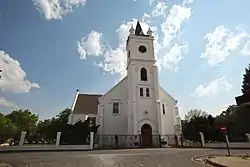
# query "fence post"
(181, 140)
(22, 138)
(248, 136)
(58, 137)
(202, 139)
(91, 140)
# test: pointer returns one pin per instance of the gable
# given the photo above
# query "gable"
(117, 90)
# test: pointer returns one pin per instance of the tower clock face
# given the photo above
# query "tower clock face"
(142, 49)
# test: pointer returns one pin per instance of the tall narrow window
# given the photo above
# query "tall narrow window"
(163, 108)
(115, 108)
(141, 92)
(144, 74)
(147, 92)
(129, 54)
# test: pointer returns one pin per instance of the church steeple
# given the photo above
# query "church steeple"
(138, 29)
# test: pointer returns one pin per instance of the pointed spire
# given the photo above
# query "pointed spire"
(138, 29)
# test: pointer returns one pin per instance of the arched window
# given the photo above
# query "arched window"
(144, 74)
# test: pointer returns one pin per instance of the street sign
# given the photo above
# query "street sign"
(223, 130)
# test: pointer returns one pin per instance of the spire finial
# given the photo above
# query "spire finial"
(149, 31)
(132, 30)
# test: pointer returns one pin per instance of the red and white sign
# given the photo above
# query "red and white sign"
(223, 130)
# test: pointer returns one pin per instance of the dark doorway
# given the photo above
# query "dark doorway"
(146, 134)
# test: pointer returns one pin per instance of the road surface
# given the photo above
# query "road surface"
(165, 157)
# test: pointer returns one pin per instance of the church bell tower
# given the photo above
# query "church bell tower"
(142, 81)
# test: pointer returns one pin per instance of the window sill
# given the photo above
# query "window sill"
(145, 97)
(115, 114)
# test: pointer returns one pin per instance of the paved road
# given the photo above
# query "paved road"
(166, 157)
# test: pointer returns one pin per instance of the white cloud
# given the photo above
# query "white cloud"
(221, 43)
(246, 48)
(159, 9)
(114, 62)
(13, 76)
(91, 45)
(212, 88)
(56, 9)
(187, 2)
(6, 103)
(169, 49)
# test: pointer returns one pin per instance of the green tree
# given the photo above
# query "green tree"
(23, 119)
(239, 122)
(198, 121)
(47, 129)
(246, 81)
(7, 128)
(194, 113)
(64, 115)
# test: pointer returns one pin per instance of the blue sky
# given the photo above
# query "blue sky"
(47, 51)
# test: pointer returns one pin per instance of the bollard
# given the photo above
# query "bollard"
(58, 137)
(202, 139)
(91, 140)
(22, 138)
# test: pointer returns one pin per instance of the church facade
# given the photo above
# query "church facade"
(137, 105)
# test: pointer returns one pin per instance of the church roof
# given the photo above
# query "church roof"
(86, 103)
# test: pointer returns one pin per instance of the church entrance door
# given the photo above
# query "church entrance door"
(146, 134)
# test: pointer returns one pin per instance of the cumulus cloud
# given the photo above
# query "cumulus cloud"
(90, 45)
(169, 50)
(6, 103)
(56, 9)
(159, 9)
(221, 43)
(13, 76)
(212, 88)
(246, 48)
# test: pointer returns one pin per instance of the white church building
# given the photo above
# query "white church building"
(137, 105)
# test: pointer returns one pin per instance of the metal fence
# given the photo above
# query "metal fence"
(136, 141)
(124, 141)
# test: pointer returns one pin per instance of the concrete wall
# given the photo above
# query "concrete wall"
(168, 119)
(114, 123)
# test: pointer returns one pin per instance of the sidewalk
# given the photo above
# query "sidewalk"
(4, 165)
(223, 161)
(34, 148)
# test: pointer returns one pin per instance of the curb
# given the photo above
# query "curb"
(214, 163)
(231, 148)
(41, 150)
(5, 165)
